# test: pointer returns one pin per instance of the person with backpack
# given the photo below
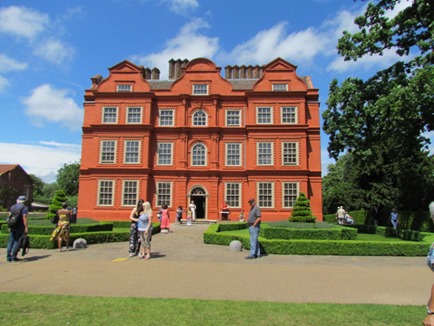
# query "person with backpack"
(429, 319)
(17, 223)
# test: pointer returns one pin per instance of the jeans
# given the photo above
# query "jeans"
(254, 243)
(13, 243)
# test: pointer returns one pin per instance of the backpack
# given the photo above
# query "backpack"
(24, 243)
(430, 258)
(14, 217)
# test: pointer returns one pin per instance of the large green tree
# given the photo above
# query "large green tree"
(382, 121)
(67, 178)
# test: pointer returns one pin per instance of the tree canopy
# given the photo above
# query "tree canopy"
(382, 121)
(67, 178)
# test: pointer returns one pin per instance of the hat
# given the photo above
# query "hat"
(22, 198)
(251, 199)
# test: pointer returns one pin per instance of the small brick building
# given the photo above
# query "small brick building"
(202, 137)
(14, 181)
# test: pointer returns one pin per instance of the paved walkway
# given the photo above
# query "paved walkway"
(184, 267)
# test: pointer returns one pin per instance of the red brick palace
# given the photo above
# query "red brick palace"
(198, 136)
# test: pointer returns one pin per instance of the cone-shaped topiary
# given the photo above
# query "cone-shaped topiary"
(56, 204)
(301, 211)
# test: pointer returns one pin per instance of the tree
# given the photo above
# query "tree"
(301, 211)
(382, 121)
(56, 204)
(38, 188)
(67, 178)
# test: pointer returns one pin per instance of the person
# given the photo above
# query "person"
(429, 319)
(254, 223)
(225, 211)
(340, 215)
(242, 215)
(348, 219)
(134, 245)
(165, 219)
(18, 229)
(189, 216)
(61, 232)
(375, 214)
(192, 207)
(179, 212)
(144, 225)
(74, 215)
(394, 218)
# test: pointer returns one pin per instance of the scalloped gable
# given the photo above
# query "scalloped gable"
(124, 72)
(201, 70)
(280, 71)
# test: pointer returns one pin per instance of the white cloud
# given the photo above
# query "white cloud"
(10, 64)
(4, 83)
(181, 6)
(23, 22)
(188, 44)
(49, 105)
(42, 159)
(54, 51)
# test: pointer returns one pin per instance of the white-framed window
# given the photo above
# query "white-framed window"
(200, 89)
(129, 192)
(289, 114)
(233, 118)
(289, 193)
(290, 153)
(200, 118)
(105, 192)
(134, 115)
(264, 115)
(132, 151)
(266, 194)
(265, 153)
(279, 87)
(110, 115)
(198, 155)
(165, 154)
(233, 194)
(164, 194)
(233, 154)
(166, 117)
(108, 151)
(124, 88)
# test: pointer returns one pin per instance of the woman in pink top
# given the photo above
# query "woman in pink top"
(165, 219)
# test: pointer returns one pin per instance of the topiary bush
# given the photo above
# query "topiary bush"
(302, 211)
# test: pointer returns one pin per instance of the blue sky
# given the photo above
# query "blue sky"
(49, 50)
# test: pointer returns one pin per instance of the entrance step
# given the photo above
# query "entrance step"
(199, 221)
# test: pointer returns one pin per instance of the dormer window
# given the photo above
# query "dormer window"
(279, 87)
(124, 88)
(200, 89)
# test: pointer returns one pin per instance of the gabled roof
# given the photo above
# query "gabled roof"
(7, 167)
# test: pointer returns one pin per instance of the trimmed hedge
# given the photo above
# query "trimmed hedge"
(313, 234)
(75, 228)
(214, 235)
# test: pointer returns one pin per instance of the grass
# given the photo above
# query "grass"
(31, 309)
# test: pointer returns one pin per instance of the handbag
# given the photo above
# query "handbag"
(55, 219)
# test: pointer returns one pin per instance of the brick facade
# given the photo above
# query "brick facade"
(199, 136)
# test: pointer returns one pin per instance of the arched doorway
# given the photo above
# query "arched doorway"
(198, 195)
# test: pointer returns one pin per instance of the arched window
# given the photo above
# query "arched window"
(200, 118)
(198, 155)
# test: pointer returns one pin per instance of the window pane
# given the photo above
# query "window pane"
(265, 153)
(265, 194)
(200, 89)
(233, 194)
(199, 118)
(105, 197)
(290, 154)
(280, 87)
(124, 88)
(134, 115)
(110, 115)
(166, 117)
(289, 114)
(264, 115)
(132, 151)
(130, 193)
(233, 154)
(233, 118)
(164, 153)
(108, 148)
(290, 194)
(199, 155)
(164, 194)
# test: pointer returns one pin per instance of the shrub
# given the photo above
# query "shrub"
(301, 211)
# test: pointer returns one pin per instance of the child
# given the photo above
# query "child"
(179, 212)
(189, 216)
(165, 219)
(242, 215)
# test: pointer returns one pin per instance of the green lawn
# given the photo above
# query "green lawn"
(29, 309)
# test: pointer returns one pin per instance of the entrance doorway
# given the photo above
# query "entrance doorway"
(198, 195)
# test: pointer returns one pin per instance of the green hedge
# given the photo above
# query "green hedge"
(313, 234)
(214, 235)
(75, 228)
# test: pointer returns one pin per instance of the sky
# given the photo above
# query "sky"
(49, 50)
